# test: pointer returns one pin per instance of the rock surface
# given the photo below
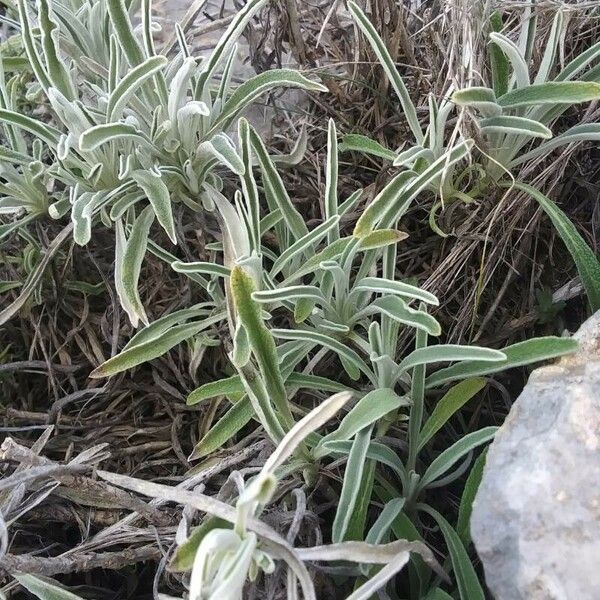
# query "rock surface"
(536, 517)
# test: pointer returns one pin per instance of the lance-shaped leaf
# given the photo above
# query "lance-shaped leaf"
(580, 62)
(522, 353)
(515, 57)
(304, 242)
(381, 238)
(98, 135)
(577, 133)
(399, 288)
(260, 338)
(395, 308)
(469, 587)
(515, 125)
(447, 459)
(352, 360)
(153, 348)
(45, 589)
(291, 293)
(130, 84)
(47, 133)
(276, 186)
(57, 70)
(158, 194)
(454, 399)
(225, 43)
(237, 417)
(250, 90)
(351, 485)
(368, 410)
(331, 179)
(200, 267)
(448, 353)
(553, 92)
(498, 61)
(387, 62)
(222, 148)
(35, 59)
(362, 143)
(481, 98)
(128, 263)
(124, 31)
(588, 265)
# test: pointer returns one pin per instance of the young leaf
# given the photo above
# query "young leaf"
(331, 180)
(447, 459)
(222, 147)
(361, 143)
(521, 353)
(130, 255)
(514, 55)
(498, 60)
(454, 399)
(395, 308)
(158, 194)
(98, 135)
(129, 85)
(588, 265)
(223, 387)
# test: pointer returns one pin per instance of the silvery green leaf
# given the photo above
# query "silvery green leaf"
(96, 136)
(390, 69)
(350, 356)
(252, 89)
(81, 215)
(553, 92)
(362, 143)
(221, 146)
(399, 288)
(158, 194)
(580, 62)
(552, 44)
(410, 156)
(45, 589)
(240, 355)
(124, 32)
(29, 43)
(58, 73)
(47, 133)
(302, 244)
(153, 348)
(454, 453)
(331, 180)
(276, 187)
(351, 485)
(200, 267)
(179, 87)
(521, 353)
(577, 133)
(131, 83)
(481, 98)
(128, 263)
(380, 238)
(448, 353)
(368, 410)
(225, 43)
(515, 57)
(515, 125)
(290, 293)
(395, 308)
